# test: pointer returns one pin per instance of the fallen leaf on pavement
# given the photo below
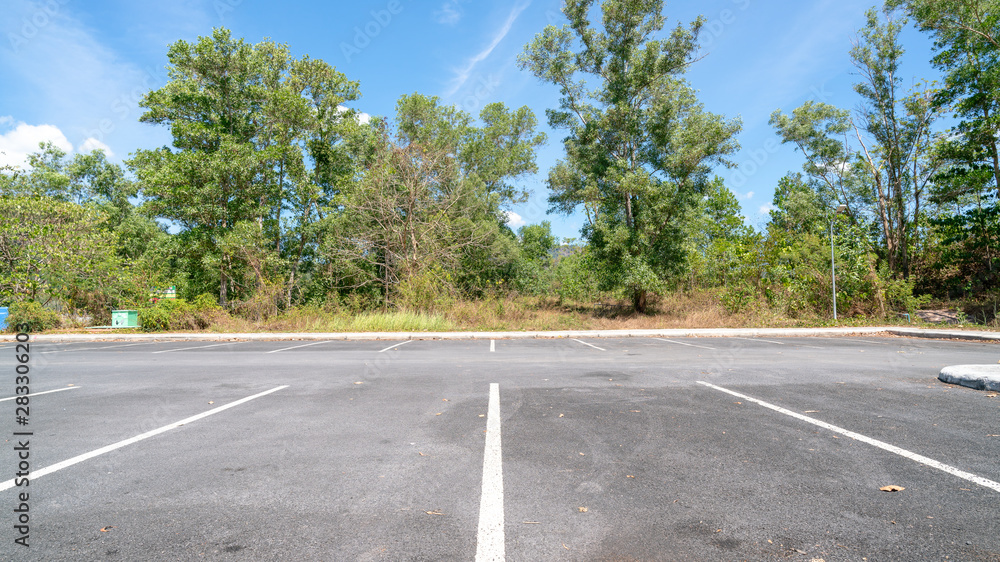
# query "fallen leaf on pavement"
(435, 512)
(106, 529)
(211, 402)
(359, 382)
(892, 488)
(582, 509)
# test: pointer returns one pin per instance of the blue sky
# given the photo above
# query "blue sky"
(73, 72)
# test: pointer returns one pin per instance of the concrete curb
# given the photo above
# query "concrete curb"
(978, 377)
(672, 333)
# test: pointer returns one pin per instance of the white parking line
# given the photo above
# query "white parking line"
(298, 346)
(127, 345)
(864, 439)
(758, 339)
(86, 456)
(493, 346)
(687, 344)
(40, 393)
(61, 350)
(490, 541)
(199, 347)
(585, 343)
(395, 346)
(867, 341)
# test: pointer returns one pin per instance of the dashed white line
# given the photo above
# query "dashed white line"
(40, 393)
(107, 449)
(395, 346)
(198, 347)
(493, 346)
(591, 345)
(298, 346)
(864, 439)
(687, 344)
(490, 541)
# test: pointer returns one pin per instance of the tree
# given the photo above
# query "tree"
(537, 241)
(427, 210)
(886, 178)
(640, 147)
(256, 139)
(57, 252)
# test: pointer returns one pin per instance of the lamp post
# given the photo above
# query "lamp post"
(833, 263)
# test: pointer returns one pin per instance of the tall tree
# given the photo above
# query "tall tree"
(428, 207)
(883, 176)
(254, 135)
(640, 147)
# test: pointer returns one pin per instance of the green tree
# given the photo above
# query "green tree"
(640, 147)
(537, 241)
(883, 178)
(256, 139)
(427, 210)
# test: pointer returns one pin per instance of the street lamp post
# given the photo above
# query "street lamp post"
(833, 263)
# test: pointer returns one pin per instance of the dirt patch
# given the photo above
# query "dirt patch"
(942, 316)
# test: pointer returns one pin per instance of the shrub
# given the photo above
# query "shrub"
(178, 314)
(37, 317)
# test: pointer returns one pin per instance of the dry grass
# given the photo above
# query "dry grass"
(701, 309)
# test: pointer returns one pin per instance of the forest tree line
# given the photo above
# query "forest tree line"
(274, 195)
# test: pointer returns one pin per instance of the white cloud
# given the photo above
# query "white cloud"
(462, 74)
(514, 220)
(449, 13)
(17, 143)
(362, 117)
(749, 195)
(766, 208)
(92, 144)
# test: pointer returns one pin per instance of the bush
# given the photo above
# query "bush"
(178, 314)
(37, 317)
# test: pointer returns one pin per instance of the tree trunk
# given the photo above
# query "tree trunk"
(639, 300)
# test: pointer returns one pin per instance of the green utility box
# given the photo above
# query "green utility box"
(124, 318)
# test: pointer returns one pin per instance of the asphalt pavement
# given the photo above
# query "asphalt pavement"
(616, 449)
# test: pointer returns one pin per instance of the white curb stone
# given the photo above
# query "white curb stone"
(979, 377)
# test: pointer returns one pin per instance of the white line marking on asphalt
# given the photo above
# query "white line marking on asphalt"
(61, 350)
(40, 393)
(107, 449)
(864, 439)
(758, 339)
(687, 344)
(199, 347)
(493, 346)
(490, 543)
(593, 346)
(298, 346)
(125, 345)
(395, 346)
(867, 341)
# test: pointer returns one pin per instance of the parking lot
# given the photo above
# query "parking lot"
(609, 449)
